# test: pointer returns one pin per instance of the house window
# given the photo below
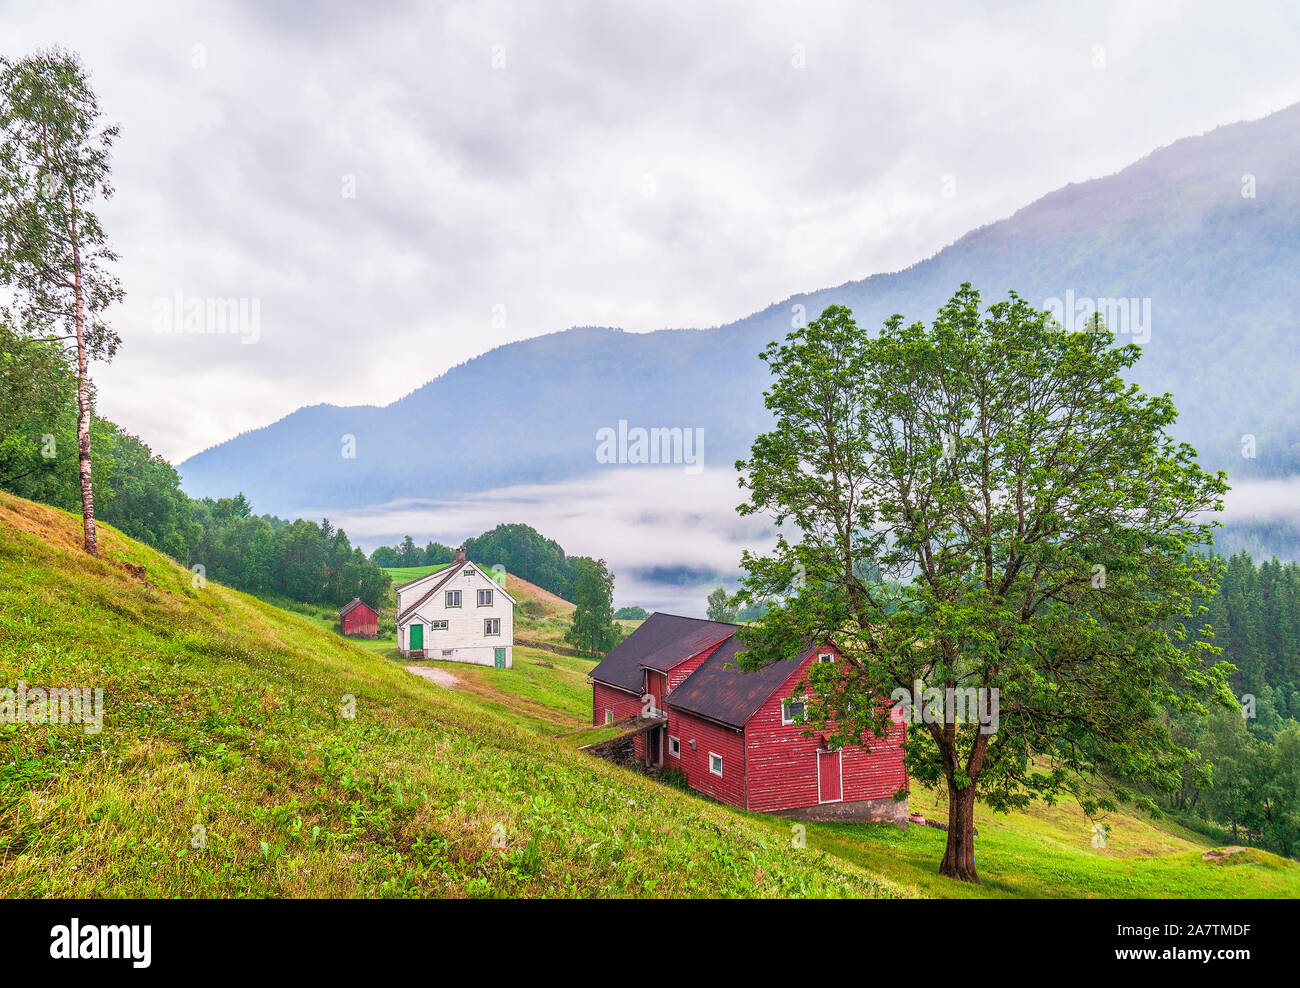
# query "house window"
(609, 716)
(453, 598)
(826, 657)
(791, 710)
(675, 746)
(485, 598)
(437, 625)
(715, 764)
(491, 626)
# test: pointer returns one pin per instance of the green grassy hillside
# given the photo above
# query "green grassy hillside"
(226, 728)
(226, 713)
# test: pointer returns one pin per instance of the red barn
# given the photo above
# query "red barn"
(734, 734)
(359, 620)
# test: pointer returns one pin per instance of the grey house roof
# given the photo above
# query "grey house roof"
(445, 575)
(731, 696)
(662, 641)
(713, 691)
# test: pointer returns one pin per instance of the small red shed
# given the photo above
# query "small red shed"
(359, 620)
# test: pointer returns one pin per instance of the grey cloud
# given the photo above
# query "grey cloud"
(522, 186)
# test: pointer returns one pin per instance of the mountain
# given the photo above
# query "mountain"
(1203, 235)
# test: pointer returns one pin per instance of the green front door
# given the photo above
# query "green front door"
(501, 658)
(417, 637)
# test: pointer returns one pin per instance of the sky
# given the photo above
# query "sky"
(386, 190)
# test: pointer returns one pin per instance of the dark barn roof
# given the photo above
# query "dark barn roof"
(352, 605)
(730, 696)
(662, 641)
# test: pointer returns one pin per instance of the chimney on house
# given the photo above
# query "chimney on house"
(460, 553)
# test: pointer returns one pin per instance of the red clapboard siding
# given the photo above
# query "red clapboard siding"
(608, 698)
(623, 704)
(783, 762)
(708, 736)
(656, 684)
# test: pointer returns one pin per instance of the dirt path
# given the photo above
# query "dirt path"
(442, 677)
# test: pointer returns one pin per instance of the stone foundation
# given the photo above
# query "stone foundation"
(883, 810)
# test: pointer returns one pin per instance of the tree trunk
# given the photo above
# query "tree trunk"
(959, 856)
(83, 412)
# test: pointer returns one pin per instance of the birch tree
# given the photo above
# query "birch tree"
(54, 255)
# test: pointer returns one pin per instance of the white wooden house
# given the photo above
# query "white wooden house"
(458, 614)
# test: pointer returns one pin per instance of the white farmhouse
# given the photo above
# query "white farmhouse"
(458, 614)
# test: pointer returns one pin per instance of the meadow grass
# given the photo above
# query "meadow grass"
(228, 767)
(228, 764)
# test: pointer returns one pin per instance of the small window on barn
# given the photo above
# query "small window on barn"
(485, 598)
(792, 710)
(491, 626)
(609, 716)
(675, 747)
(826, 657)
(715, 763)
(437, 625)
(453, 598)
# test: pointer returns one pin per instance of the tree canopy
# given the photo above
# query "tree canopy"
(985, 504)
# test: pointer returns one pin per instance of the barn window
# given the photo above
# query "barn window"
(485, 598)
(437, 625)
(715, 763)
(826, 657)
(609, 716)
(491, 626)
(453, 598)
(675, 746)
(792, 710)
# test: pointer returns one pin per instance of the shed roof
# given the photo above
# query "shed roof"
(352, 605)
(661, 642)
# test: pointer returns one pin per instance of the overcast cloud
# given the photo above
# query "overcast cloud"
(641, 165)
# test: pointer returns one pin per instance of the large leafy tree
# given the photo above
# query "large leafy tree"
(985, 503)
(54, 166)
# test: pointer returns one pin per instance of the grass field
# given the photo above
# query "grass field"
(226, 727)
(405, 574)
(227, 765)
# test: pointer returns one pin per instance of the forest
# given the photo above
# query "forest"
(140, 493)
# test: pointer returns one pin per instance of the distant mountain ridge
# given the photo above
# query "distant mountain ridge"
(1221, 271)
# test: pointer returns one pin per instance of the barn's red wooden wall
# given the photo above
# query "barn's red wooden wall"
(656, 684)
(608, 698)
(623, 704)
(361, 621)
(783, 762)
(708, 736)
